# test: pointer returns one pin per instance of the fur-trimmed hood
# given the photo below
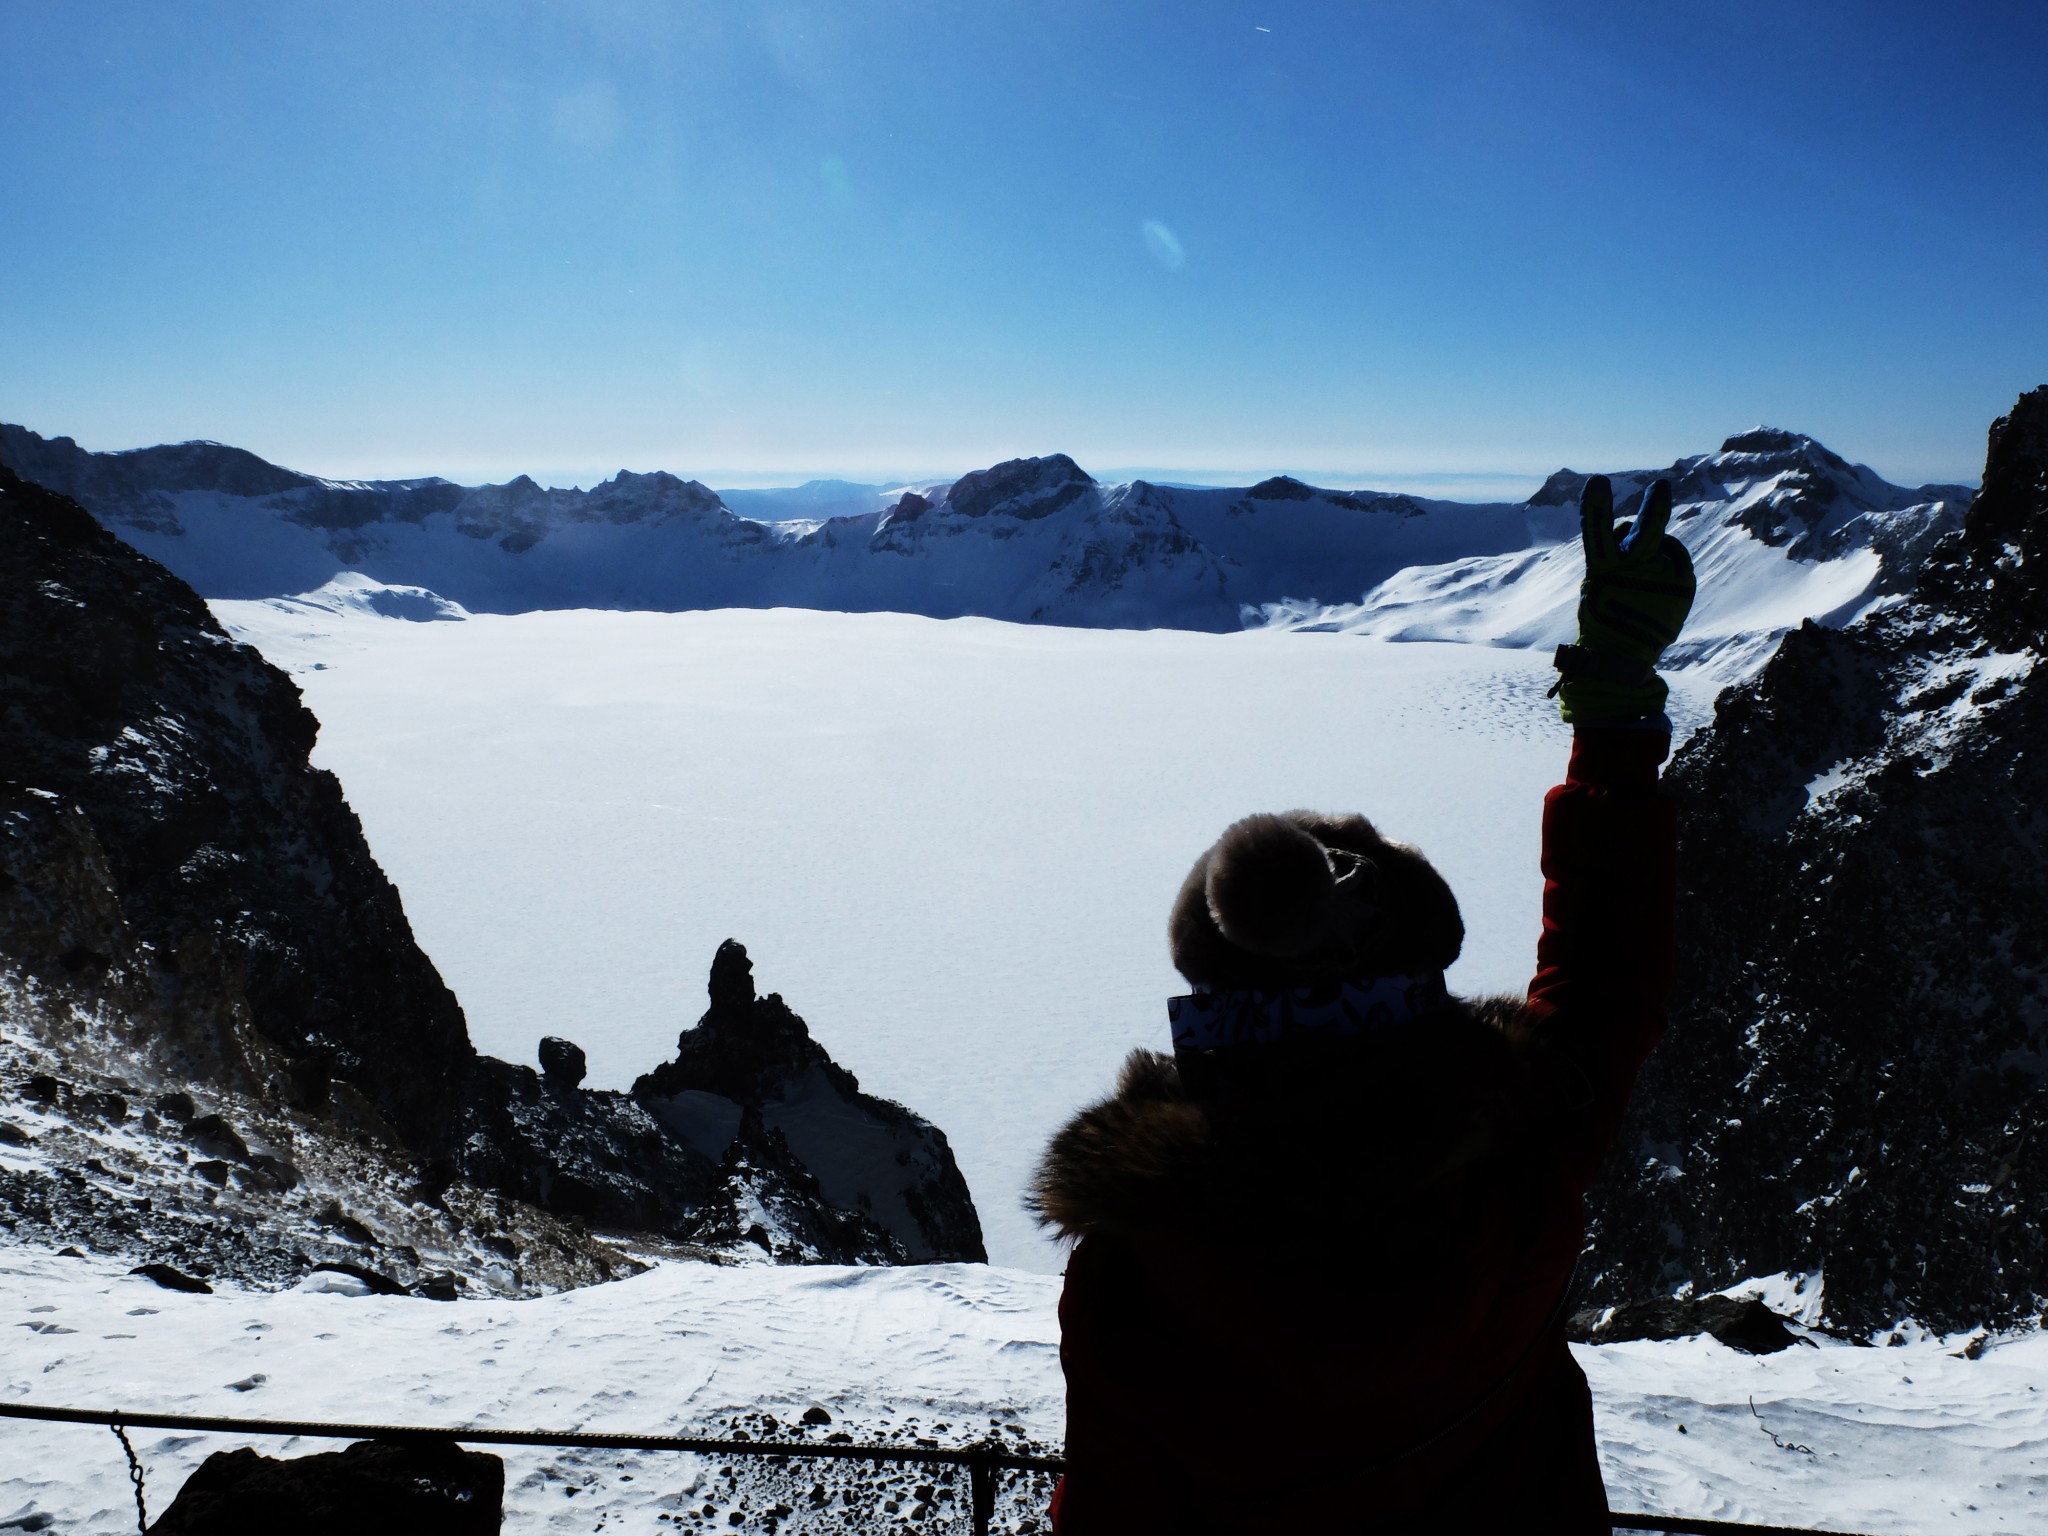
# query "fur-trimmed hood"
(1385, 1141)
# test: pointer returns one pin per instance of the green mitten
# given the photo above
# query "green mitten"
(1638, 590)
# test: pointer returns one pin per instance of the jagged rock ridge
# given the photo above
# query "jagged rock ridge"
(749, 1074)
(1856, 1078)
(186, 903)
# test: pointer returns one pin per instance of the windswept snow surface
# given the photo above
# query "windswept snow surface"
(1911, 1439)
(950, 844)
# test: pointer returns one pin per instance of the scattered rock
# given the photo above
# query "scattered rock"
(274, 1172)
(432, 1185)
(372, 1486)
(248, 1383)
(211, 1169)
(343, 1225)
(443, 1285)
(561, 1062)
(178, 1106)
(13, 1135)
(216, 1138)
(172, 1279)
(379, 1284)
(816, 1415)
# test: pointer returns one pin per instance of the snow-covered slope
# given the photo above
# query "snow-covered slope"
(1785, 529)
(1780, 531)
(1910, 1439)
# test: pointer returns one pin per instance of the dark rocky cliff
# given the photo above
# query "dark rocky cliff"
(237, 864)
(175, 871)
(1856, 1077)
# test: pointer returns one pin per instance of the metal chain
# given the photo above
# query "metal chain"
(134, 1474)
(984, 1462)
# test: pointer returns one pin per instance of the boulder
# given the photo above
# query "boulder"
(1740, 1322)
(561, 1062)
(427, 1488)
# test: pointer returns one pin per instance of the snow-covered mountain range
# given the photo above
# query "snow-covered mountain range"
(1783, 529)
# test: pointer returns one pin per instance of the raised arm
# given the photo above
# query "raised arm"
(1603, 963)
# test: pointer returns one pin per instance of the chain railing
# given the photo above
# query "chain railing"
(985, 1462)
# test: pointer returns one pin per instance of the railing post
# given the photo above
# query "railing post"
(981, 1478)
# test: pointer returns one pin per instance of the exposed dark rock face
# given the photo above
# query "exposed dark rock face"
(225, 862)
(1740, 1322)
(592, 1154)
(1022, 488)
(561, 1063)
(372, 1486)
(186, 901)
(753, 1057)
(1856, 1077)
(1280, 488)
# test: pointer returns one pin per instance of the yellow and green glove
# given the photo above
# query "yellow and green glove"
(1638, 590)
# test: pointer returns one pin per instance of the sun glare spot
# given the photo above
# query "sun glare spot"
(1164, 245)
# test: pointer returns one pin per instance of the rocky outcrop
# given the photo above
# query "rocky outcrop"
(749, 1082)
(159, 775)
(1855, 1083)
(231, 1052)
(1740, 1322)
(373, 1485)
(1020, 488)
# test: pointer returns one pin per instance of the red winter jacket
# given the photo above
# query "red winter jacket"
(1237, 1374)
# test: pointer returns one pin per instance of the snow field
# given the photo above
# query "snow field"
(1911, 1439)
(951, 844)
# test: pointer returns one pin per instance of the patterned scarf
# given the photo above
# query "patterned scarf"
(1208, 1021)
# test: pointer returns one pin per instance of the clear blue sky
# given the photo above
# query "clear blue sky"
(886, 237)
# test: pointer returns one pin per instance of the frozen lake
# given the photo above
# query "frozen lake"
(950, 844)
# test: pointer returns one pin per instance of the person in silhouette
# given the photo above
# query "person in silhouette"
(1323, 1251)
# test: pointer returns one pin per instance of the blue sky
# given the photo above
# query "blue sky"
(769, 241)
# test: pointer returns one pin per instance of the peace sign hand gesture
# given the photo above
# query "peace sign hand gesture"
(1638, 589)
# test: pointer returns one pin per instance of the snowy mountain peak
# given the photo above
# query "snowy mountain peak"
(1861, 994)
(1020, 488)
(1280, 488)
(1768, 440)
(1781, 530)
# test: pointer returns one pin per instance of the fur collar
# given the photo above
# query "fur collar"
(1380, 1143)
